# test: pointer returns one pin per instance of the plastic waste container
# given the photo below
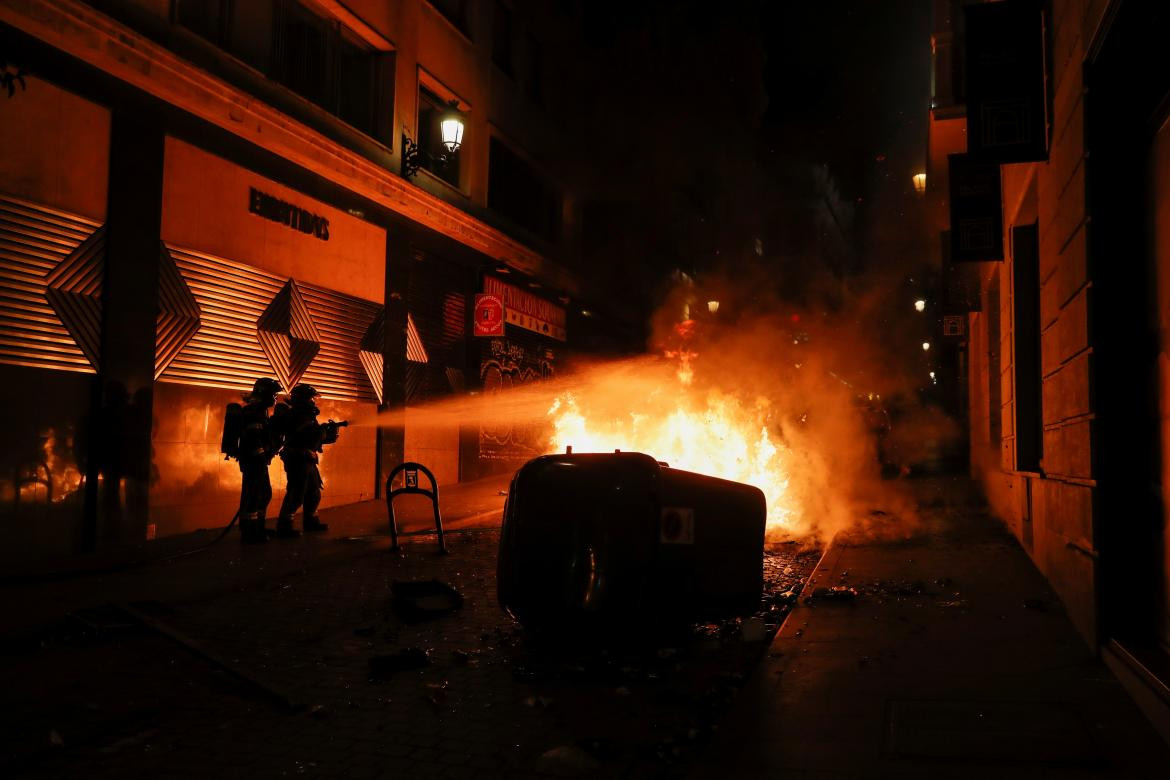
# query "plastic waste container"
(605, 540)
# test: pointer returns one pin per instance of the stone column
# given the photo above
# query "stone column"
(117, 509)
(392, 431)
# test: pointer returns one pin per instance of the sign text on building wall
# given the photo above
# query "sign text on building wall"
(527, 311)
(277, 210)
(489, 315)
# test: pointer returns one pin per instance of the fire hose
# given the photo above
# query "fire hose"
(23, 579)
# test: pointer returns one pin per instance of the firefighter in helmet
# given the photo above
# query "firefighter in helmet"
(258, 444)
(304, 438)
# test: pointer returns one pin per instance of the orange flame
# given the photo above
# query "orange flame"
(711, 433)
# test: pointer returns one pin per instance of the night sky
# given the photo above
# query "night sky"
(848, 84)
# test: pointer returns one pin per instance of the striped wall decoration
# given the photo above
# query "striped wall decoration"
(233, 299)
(35, 241)
(178, 313)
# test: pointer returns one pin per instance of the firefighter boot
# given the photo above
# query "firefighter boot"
(285, 530)
(252, 530)
(314, 524)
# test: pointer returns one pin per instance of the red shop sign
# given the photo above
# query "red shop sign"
(489, 315)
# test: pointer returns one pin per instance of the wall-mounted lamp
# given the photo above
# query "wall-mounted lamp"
(713, 306)
(919, 305)
(920, 183)
(450, 134)
(451, 128)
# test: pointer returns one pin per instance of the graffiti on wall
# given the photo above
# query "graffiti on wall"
(507, 364)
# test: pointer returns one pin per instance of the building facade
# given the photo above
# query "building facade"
(196, 193)
(1066, 330)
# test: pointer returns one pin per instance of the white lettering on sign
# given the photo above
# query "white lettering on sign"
(677, 525)
(525, 310)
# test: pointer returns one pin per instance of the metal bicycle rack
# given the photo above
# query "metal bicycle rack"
(411, 471)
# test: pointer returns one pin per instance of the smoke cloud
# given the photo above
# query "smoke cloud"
(792, 398)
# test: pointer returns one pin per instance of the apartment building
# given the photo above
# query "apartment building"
(196, 193)
(1061, 206)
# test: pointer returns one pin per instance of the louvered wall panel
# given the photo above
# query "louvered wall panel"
(226, 352)
(341, 320)
(178, 313)
(34, 240)
(231, 297)
(437, 295)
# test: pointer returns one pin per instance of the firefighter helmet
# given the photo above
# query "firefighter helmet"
(303, 393)
(265, 387)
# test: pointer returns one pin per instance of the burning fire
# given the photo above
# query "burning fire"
(709, 432)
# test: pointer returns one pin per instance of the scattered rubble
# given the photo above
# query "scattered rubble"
(837, 594)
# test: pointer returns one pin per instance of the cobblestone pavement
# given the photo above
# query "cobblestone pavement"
(489, 701)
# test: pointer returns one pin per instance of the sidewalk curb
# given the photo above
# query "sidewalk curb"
(757, 688)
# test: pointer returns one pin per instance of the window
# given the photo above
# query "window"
(518, 192)
(455, 12)
(357, 83)
(502, 37)
(314, 56)
(533, 83)
(323, 62)
(302, 46)
(250, 34)
(434, 157)
(206, 18)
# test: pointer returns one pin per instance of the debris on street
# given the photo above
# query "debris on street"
(511, 701)
(839, 594)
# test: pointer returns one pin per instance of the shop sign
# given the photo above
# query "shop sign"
(489, 315)
(525, 310)
(277, 210)
(1007, 86)
(954, 324)
(976, 210)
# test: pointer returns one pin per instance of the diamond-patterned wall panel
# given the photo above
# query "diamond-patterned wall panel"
(34, 241)
(74, 290)
(416, 351)
(370, 352)
(178, 313)
(343, 322)
(226, 351)
(287, 335)
(372, 363)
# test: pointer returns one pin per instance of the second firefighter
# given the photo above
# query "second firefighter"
(304, 437)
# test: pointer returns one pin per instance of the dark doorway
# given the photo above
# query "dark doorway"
(1026, 360)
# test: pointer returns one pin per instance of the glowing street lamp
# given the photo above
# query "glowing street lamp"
(713, 306)
(450, 137)
(451, 127)
(926, 346)
(919, 305)
(920, 183)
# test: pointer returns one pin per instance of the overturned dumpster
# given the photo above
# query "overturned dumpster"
(618, 540)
